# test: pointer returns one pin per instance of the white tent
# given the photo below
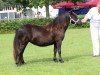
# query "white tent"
(53, 12)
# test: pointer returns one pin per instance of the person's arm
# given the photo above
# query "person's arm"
(84, 20)
(88, 15)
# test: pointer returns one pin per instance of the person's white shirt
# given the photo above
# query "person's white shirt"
(94, 16)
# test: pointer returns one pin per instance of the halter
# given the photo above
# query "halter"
(71, 19)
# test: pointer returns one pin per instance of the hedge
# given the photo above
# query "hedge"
(7, 26)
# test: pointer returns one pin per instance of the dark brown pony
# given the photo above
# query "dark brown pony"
(51, 34)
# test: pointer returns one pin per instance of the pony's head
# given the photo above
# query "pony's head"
(74, 18)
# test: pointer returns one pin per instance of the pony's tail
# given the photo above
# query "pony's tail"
(15, 46)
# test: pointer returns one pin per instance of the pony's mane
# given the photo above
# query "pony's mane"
(58, 21)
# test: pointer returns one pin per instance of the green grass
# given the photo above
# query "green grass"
(76, 52)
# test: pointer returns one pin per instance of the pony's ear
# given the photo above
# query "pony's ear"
(71, 11)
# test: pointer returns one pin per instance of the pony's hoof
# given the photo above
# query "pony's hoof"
(55, 60)
(23, 62)
(61, 61)
(19, 64)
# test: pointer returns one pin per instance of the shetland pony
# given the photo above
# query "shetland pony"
(51, 34)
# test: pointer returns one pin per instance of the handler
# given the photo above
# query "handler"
(94, 16)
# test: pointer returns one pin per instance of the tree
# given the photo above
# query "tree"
(77, 0)
(5, 3)
(1, 4)
(24, 3)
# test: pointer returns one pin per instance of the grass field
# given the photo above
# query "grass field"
(76, 52)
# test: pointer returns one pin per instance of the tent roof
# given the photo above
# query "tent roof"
(93, 2)
(69, 4)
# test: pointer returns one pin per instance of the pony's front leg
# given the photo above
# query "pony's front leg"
(59, 43)
(55, 52)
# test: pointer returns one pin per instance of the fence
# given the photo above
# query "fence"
(12, 14)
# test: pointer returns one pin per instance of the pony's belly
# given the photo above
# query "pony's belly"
(42, 41)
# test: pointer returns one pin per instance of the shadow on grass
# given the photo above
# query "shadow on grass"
(66, 59)
(75, 57)
(41, 60)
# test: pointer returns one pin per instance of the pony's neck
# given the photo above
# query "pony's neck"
(59, 23)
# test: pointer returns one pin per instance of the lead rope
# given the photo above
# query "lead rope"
(71, 19)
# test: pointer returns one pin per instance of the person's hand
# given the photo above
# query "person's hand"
(83, 21)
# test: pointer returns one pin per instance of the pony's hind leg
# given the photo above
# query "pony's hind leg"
(19, 59)
(22, 59)
(20, 42)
